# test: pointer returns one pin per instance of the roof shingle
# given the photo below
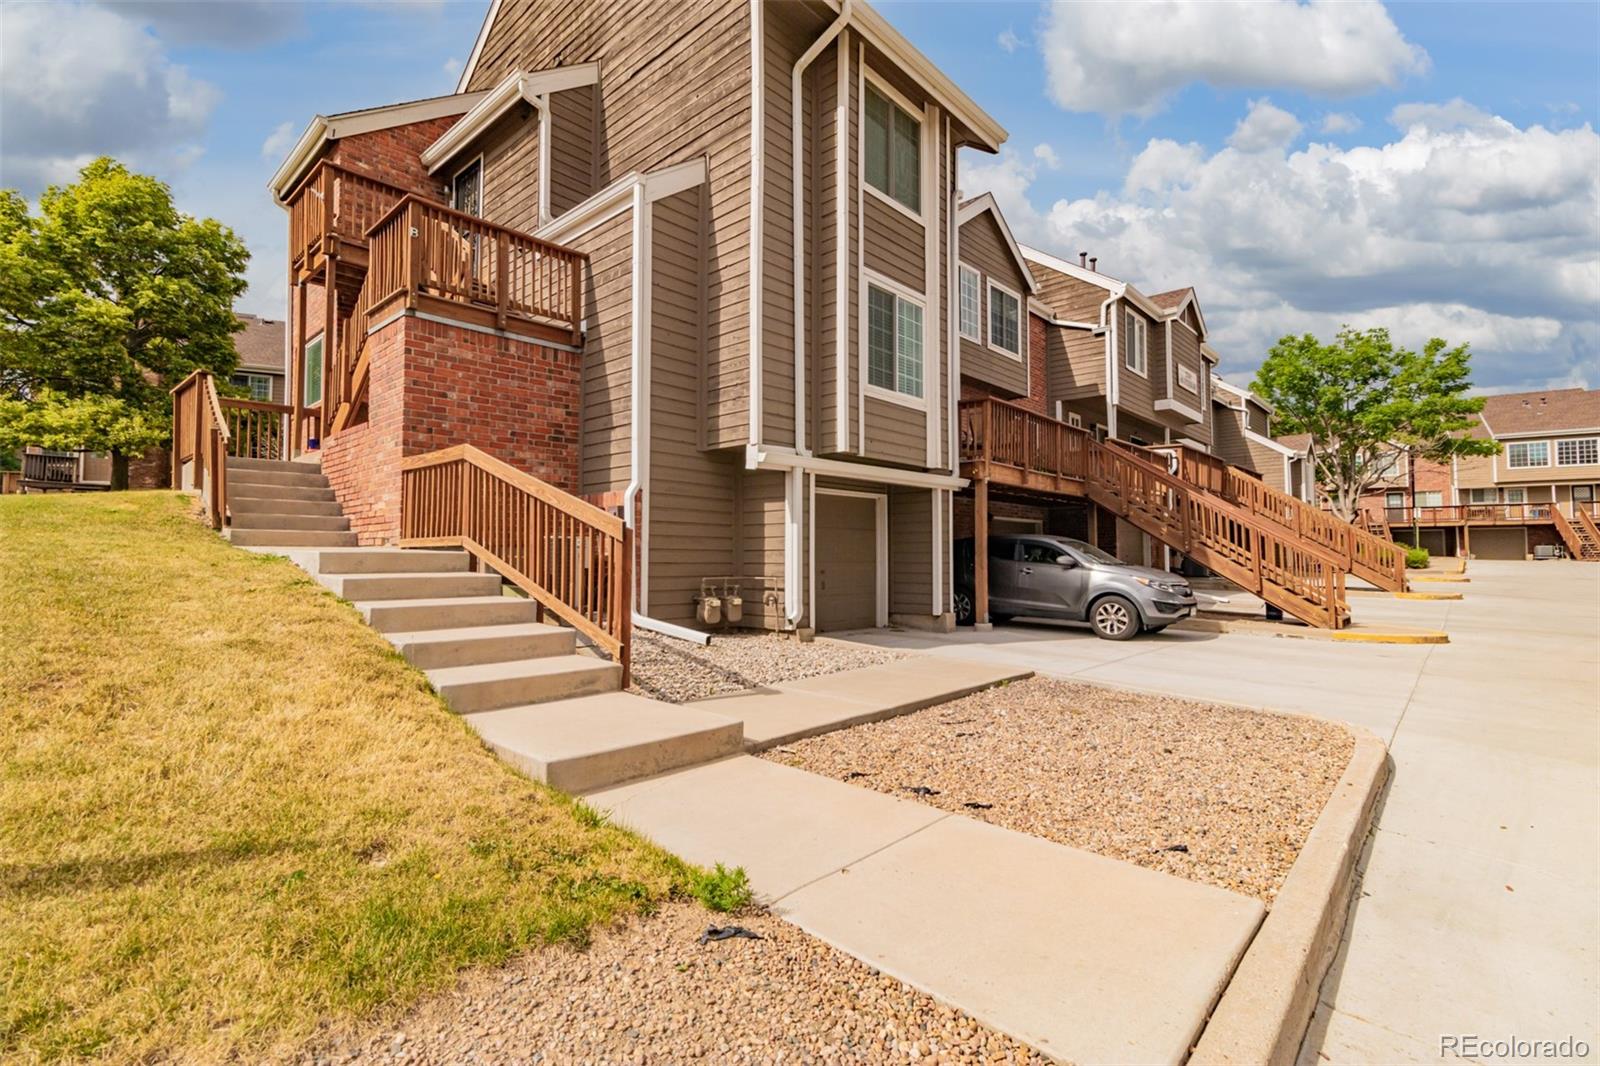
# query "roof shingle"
(260, 343)
(1552, 410)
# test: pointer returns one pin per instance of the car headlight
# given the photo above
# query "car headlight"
(1163, 586)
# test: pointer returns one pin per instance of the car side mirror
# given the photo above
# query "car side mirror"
(1066, 561)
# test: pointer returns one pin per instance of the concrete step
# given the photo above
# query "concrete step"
(270, 520)
(238, 492)
(384, 561)
(291, 538)
(430, 649)
(490, 686)
(238, 463)
(257, 505)
(457, 612)
(367, 588)
(305, 479)
(591, 742)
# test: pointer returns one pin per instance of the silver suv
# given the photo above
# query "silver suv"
(1058, 577)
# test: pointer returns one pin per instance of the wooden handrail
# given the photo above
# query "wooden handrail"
(256, 429)
(1472, 513)
(335, 201)
(573, 558)
(200, 435)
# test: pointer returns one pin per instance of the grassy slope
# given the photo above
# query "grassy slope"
(228, 811)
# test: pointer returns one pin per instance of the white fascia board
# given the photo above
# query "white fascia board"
(1209, 354)
(513, 88)
(325, 128)
(1043, 310)
(973, 208)
(1540, 434)
(615, 198)
(1243, 394)
(1268, 442)
(1178, 407)
(775, 457)
(477, 46)
(1106, 282)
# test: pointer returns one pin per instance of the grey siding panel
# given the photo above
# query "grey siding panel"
(1075, 363)
(983, 248)
(894, 244)
(689, 508)
(1227, 438)
(910, 551)
(1135, 393)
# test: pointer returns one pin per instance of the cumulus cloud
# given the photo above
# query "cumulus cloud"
(1008, 40)
(84, 81)
(1463, 225)
(1340, 122)
(278, 142)
(225, 24)
(1130, 58)
(1008, 176)
(1264, 127)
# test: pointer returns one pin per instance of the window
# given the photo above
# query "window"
(1394, 499)
(1187, 379)
(1005, 321)
(1582, 452)
(312, 392)
(466, 191)
(1036, 551)
(1516, 495)
(1430, 499)
(893, 151)
(1075, 420)
(1528, 453)
(894, 342)
(1481, 495)
(260, 385)
(1136, 356)
(971, 305)
(1583, 494)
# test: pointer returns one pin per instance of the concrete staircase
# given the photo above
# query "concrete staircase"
(539, 701)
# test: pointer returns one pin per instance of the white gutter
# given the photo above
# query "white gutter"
(796, 160)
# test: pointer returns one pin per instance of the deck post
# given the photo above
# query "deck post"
(330, 327)
(980, 552)
(297, 370)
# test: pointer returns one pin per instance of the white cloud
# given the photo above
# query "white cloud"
(452, 66)
(77, 82)
(1130, 58)
(232, 24)
(1463, 226)
(1265, 127)
(1340, 122)
(1046, 156)
(1008, 176)
(1008, 40)
(278, 142)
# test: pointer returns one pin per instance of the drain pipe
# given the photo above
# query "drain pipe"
(796, 165)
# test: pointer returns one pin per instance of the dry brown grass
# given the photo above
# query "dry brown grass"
(230, 813)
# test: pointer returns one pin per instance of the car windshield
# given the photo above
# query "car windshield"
(1086, 549)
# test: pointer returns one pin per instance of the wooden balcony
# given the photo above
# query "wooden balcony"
(1006, 444)
(330, 212)
(1472, 514)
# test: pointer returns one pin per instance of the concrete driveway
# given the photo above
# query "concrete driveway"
(1478, 907)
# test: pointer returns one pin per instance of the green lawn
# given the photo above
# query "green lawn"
(229, 811)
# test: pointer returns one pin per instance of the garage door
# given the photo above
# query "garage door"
(1499, 543)
(847, 562)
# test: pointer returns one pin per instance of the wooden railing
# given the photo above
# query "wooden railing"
(50, 468)
(573, 558)
(1587, 531)
(257, 430)
(1471, 513)
(200, 437)
(996, 432)
(1366, 554)
(334, 203)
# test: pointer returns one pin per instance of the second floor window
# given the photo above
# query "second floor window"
(1585, 451)
(466, 192)
(1528, 453)
(893, 151)
(894, 342)
(1005, 320)
(971, 305)
(1137, 357)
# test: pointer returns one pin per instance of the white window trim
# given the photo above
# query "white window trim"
(1143, 369)
(894, 96)
(1022, 320)
(920, 403)
(1574, 440)
(1074, 419)
(1549, 455)
(961, 270)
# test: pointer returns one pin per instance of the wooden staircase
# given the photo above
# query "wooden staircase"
(1579, 533)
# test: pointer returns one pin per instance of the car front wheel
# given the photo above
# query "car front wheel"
(963, 609)
(1114, 618)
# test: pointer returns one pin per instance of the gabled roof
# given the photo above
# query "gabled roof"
(1172, 299)
(1112, 286)
(325, 128)
(881, 35)
(513, 89)
(976, 206)
(261, 343)
(1543, 411)
(1300, 442)
(1244, 395)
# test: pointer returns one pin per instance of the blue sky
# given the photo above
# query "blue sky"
(1425, 166)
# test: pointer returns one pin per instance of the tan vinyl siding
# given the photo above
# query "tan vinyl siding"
(607, 428)
(984, 248)
(896, 433)
(1228, 440)
(894, 244)
(823, 249)
(674, 86)
(1257, 419)
(789, 31)
(1075, 363)
(1136, 393)
(910, 551)
(573, 166)
(689, 507)
(760, 548)
(1186, 353)
(510, 169)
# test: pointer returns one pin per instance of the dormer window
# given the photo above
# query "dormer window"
(893, 151)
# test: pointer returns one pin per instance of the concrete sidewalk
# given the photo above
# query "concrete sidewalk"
(1085, 957)
(1477, 913)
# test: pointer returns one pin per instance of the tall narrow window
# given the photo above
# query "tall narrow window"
(1005, 321)
(971, 307)
(466, 192)
(312, 392)
(893, 151)
(894, 342)
(1137, 358)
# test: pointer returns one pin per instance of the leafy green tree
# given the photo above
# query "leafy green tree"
(110, 293)
(1369, 406)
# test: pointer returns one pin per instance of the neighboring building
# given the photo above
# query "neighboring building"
(1242, 435)
(262, 346)
(816, 465)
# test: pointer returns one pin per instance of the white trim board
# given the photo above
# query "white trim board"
(531, 87)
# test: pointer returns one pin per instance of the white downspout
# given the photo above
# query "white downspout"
(758, 167)
(1110, 322)
(796, 167)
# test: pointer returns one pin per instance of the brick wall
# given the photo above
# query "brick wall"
(1035, 400)
(436, 385)
(394, 155)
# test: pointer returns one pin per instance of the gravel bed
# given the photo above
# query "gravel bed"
(1215, 794)
(648, 992)
(677, 671)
